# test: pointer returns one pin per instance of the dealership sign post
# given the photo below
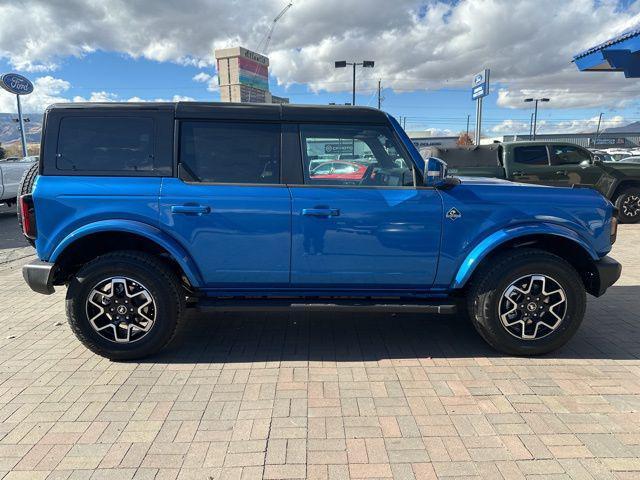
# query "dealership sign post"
(479, 90)
(18, 85)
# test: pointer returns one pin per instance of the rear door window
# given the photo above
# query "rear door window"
(244, 152)
(531, 155)
(109, 144)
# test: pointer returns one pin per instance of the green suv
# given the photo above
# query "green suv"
(558, 164)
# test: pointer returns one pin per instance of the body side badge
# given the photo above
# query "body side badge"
(453, 214)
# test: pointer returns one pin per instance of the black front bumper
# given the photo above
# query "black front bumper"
(609, 272)
(39, 276)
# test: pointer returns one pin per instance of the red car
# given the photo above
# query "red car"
(338, 170)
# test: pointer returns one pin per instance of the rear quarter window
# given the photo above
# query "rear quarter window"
(120, 145)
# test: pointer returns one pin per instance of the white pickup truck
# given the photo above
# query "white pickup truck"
(11, 171)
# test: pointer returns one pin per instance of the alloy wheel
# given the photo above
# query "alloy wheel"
(532, 307)
(121, 310)
(631, 205)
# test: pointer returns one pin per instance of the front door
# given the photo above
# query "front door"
(359, 221)
(573, 166)
(229, 209)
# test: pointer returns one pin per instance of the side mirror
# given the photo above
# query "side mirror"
(435, 171)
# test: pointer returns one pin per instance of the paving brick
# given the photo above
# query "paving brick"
(321, 397)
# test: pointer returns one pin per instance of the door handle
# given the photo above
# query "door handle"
(517, 173)
(190, 209)
(321, 212)
(561, 172)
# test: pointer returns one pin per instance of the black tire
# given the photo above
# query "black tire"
(493, 279)
(161, 283)
(26, 186)
(628, 205)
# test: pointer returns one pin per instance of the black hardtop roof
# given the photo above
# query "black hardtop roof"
(242, 111)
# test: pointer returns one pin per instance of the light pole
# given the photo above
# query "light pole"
(535, 111)
(364, 64)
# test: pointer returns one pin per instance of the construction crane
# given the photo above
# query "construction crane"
(267, 40)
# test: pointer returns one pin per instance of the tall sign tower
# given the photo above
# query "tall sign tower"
(243, 76)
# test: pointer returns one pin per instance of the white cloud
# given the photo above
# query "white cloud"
(510, 126)
(47, 90)
(528, 44)
(432, 132)
(112, 97)
(584, 125)
(210, 80)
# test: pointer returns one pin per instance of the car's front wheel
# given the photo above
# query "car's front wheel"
(527, 302)
(628, 205)
(124, 305)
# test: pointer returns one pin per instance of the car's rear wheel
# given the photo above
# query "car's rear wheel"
(125, 305)
(628, 205)
(527, 302)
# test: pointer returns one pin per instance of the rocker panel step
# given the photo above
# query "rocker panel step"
(315, 305)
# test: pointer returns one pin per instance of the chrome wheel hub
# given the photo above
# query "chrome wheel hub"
(631, 205)
(121, 310)
(532, 307)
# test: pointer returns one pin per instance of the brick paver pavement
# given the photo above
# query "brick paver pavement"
(321, 396)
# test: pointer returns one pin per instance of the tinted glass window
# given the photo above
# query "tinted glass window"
(108, 144)
(532, 155)
(569, 155)
(353, 155)
(231, 152)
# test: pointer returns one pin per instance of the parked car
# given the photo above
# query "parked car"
(230, 218)
(634, 159)
(558, 164)
(347, 171)
(602, 156)
(12, 170)
(618, 153)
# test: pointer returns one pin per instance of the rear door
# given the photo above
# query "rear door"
(530, 164)
(367, 227)
(228, 207)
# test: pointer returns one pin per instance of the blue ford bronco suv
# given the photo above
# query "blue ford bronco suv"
(146, 210)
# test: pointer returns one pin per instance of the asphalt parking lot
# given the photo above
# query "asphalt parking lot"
(318, 396)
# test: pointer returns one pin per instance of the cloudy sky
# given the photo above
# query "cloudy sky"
(426, 53)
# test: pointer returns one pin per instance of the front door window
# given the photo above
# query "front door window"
(353, 155)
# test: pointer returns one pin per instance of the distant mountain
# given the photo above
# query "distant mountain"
(9, 128)
(631, 128)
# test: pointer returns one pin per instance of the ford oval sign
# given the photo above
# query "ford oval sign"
(14, 83)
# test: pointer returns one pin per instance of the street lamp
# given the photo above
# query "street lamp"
(535, 111)
(364, 64)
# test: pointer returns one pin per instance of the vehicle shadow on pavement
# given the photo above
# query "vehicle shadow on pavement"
(10, 235)
(609, 331)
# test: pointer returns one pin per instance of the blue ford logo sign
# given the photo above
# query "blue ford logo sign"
(14, 83)
(478, 79)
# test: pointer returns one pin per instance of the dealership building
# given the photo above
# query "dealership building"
(243, 76)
